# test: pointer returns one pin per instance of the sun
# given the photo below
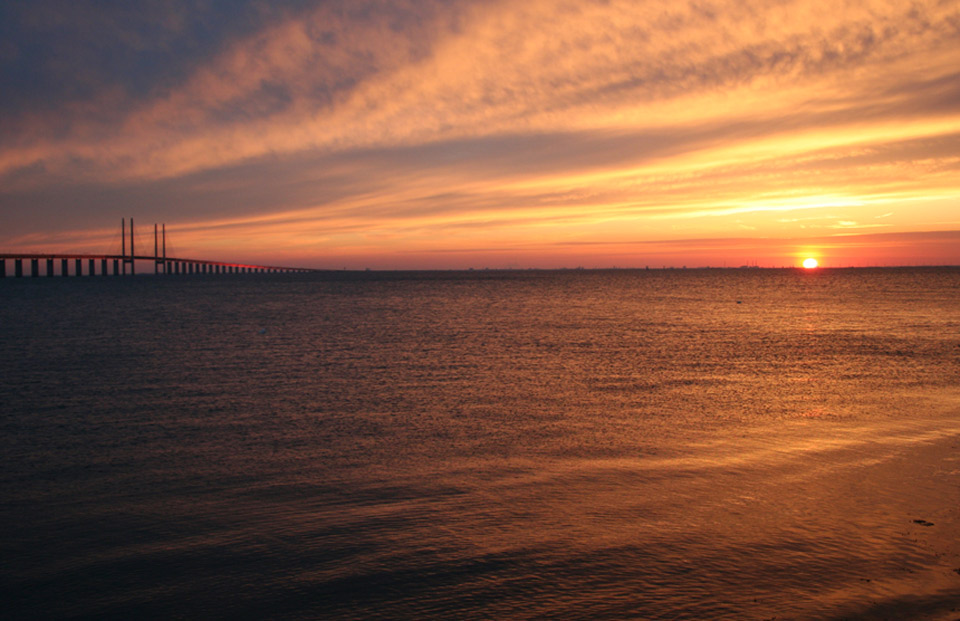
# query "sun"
(810, 263)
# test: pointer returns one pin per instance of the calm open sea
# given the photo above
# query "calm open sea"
(680, 444)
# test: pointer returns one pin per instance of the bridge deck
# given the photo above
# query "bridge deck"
(164, 265)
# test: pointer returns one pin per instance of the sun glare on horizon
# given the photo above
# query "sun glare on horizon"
(766, 135)
(810, 263)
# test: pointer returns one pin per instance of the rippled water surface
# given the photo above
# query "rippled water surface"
(740, 444)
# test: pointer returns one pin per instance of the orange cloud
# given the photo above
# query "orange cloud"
(393, 126)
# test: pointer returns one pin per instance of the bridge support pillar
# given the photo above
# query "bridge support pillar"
(79, 267)
(64, 267)
(176, 268)
(34, 267)
(18, 268)
(92, 265)
(103, 267)
(3, 268)
(49, 268)
(116, 267)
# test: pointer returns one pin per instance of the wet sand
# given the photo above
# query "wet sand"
(918, 490)
(890, 494)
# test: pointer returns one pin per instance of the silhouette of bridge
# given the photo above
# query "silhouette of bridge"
(162, 264)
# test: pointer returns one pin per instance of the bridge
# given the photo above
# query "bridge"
(162, 264)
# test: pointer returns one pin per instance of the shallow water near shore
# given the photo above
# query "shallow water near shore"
(740, 444)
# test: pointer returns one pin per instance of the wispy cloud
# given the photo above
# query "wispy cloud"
(348, 124)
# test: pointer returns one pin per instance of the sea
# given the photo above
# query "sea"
(570, 444)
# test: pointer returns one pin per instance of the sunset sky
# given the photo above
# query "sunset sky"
(460, 133)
